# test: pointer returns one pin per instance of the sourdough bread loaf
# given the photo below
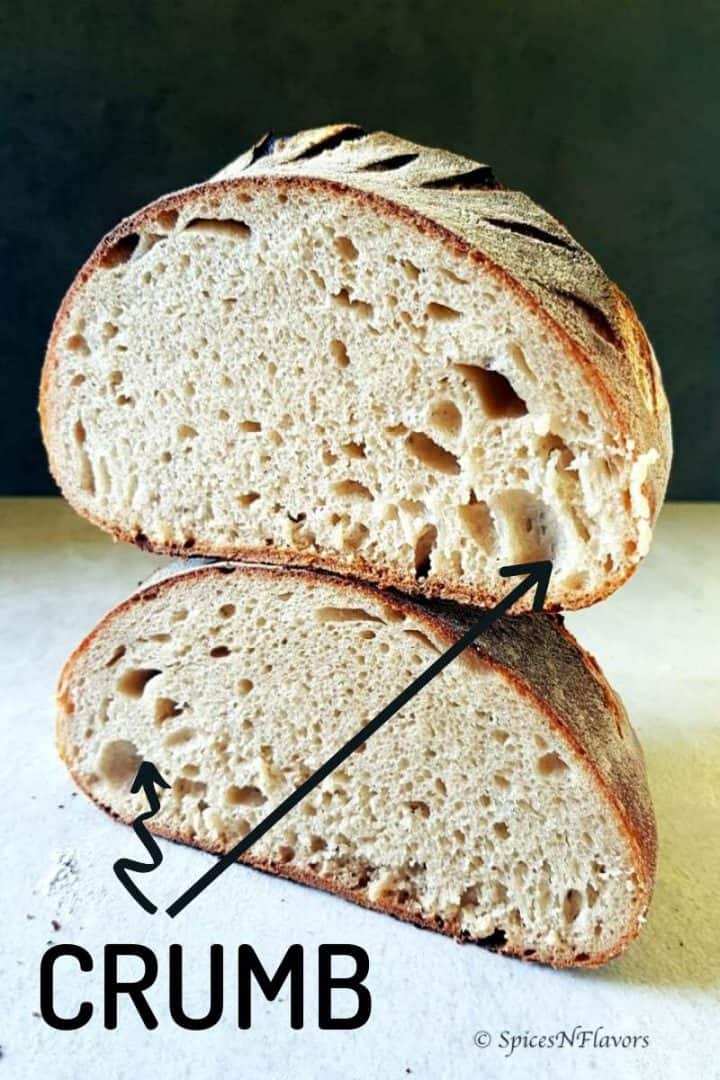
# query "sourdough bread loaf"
(352, 352)
(506, 804)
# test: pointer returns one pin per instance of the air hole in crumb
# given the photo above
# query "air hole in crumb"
(441, 311)
(77, 343)
(355, 536)
(132, 683)
(220, 651)
(186, 431)
(344, 614)
(423, 638)
(79, 432)
(500, 736)
(411, 270)
(250, 425)
(553, 447)
(424, 545)
(353, 449)
(550, 763)
(352, 489)
(120, 252)
(342, 299)
(529, 523)
(245, 686)
(118, 653)
(77, 380)
(248, 498)
(431, 454)
(118, 761)
(87, 476)
(182, 787)
(182, 735)
(446, 417)
(165, 708)
(224, 227)
(417, 806)
(501, 781)
(339, 353)
(499, 893)
(478, 523)
(286, 853)
(244, 796)
(501, 829)
(393, 615)
(317, 843)
(495, 393)
(227, 610)
(396, 429)
(572, 905)
(592, 895)
(346, 248)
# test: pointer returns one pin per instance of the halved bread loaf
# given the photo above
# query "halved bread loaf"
(356, 353)
(506, 804)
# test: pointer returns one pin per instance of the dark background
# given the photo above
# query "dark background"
(607, 113)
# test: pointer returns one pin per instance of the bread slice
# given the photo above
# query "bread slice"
(355, 353)
(506, 804)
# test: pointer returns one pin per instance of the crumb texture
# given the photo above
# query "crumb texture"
(470, 812)
(267, 365)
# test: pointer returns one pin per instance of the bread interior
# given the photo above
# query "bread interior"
(468, 811)
(270, 368)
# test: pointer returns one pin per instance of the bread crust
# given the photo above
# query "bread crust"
(560, 283)
(585, 712)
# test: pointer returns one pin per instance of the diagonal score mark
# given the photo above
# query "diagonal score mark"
(537, 576)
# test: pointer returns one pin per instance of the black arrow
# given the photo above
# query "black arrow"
(146, 779)
(537, 576)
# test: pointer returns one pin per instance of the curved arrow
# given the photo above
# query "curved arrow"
(146, 778)
(536, 576)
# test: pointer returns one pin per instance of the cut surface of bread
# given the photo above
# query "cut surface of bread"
(506, 804)
(355, 353)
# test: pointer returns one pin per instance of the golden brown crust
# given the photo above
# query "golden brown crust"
(528, 651)
(565, 288)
